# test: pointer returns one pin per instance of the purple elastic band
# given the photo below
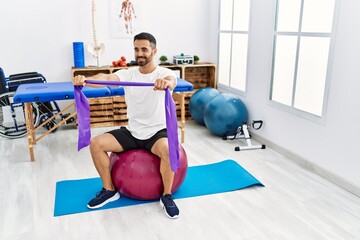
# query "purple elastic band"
(83, 116)
(117, 83)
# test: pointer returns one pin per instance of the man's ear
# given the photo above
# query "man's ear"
(155, 51)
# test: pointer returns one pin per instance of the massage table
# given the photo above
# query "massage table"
(44, 92)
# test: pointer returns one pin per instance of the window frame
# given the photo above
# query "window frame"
(292, 109)
(222, 86)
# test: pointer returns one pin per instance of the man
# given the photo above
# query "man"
(146, 126)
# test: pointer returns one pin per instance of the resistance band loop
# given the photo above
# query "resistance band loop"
(83, 116)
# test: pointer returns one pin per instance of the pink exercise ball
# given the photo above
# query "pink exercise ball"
(136, 173)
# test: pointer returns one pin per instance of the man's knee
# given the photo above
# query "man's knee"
(105, 143)
(160, 148)
(95, 144)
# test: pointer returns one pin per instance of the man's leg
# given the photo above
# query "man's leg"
(160, 148)
(99, 148)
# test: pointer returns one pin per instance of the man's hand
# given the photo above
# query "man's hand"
(79, 80)
(161, 84)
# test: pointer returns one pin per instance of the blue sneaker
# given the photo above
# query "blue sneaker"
(169, 206)
(103, 197)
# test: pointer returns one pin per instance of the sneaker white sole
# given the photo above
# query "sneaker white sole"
(113, 198)
(163, 207)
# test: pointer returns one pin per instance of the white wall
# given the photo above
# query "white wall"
(37, 36)
(332, 147)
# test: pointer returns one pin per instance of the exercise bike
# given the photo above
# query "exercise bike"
(243, 133)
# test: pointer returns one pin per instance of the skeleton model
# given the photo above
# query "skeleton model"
(95, 48)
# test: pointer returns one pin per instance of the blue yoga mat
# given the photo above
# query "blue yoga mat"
(72, 196)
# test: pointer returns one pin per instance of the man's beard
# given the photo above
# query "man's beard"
(144, 62)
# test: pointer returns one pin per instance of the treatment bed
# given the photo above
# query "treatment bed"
(43, 92)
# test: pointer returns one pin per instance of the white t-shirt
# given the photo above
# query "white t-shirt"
(145, 107)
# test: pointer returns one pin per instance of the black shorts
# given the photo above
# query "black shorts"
(128, 141)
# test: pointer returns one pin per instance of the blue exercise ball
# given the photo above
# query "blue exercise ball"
(198, 101)
(224, 114)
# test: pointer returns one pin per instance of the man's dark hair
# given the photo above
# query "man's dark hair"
(146, 36)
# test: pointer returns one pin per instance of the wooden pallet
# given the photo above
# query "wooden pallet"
(101, 112)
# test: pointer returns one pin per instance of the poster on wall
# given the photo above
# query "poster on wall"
(125, 18)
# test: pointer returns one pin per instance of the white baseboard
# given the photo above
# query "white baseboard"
(336, 179)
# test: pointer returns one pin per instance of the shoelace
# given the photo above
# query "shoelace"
(168, 200)
(103, 190)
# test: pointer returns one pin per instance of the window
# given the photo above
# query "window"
(301, 57)
(233, 43)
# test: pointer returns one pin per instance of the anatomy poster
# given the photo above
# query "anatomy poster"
(125, 18)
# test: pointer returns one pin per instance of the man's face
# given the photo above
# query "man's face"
(144, 53)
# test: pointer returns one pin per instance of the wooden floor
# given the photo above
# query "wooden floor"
(294, 204)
